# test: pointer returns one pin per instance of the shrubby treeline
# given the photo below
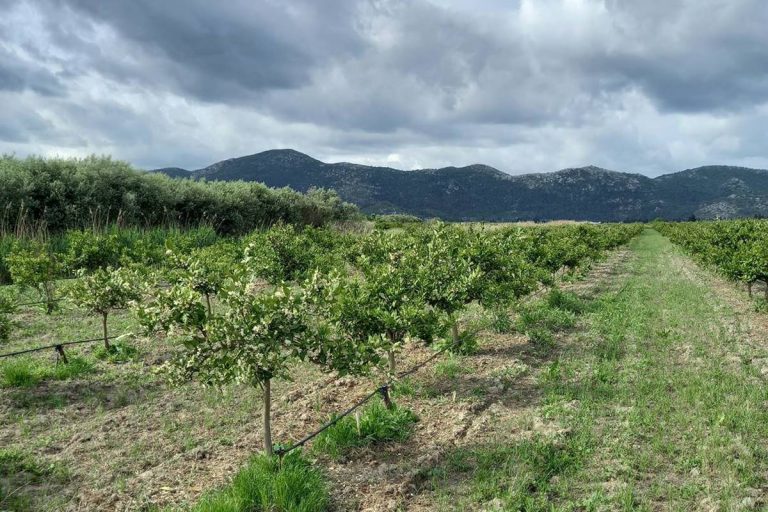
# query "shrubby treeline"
(58, 194)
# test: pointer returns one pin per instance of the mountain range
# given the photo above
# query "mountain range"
(479, 192)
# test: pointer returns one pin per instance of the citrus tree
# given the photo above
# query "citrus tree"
(34, 265)
(384, 302)
(203, 272)
(286, 253)
(446, 274)
(253, 340)
(103, 291)
(6, 309)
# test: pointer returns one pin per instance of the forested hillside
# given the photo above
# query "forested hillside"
(480, 192)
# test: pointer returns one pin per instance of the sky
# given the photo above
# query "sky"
(649, 86)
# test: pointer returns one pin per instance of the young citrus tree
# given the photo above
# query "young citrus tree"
(35, 265)
(103, 291)
(253, 340)
(6, 309)
(285, 253)
(384, 302)
(202, 275)
(447, 276)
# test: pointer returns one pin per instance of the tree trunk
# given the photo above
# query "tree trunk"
(268, 418)
(208, 302)
(749, 289)
(392, 364)
(455, 332)
(106, 331)
(49, 304)
(387, 399)
(766, 290)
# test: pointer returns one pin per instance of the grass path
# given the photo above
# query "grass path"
(654, 403)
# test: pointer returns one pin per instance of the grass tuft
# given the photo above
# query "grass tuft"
(270, 485)
(566, 301)
(118, 352)
(20, 470)
(25, 372)
(540, 314)
(377, 424)
(501, 321)
(450, 368)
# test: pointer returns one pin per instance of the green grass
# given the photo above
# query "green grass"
(267, 484)
(662, 408)
(118, 352)
(375, 424)
(566, 301)
(542, 315)
(18, 472)
(557, 311)
(27, 372)
(512, 477)
(450, 367)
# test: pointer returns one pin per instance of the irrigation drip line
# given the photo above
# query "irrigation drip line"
(56, 345)
(383, 390)
(419, 366)
(284, 451)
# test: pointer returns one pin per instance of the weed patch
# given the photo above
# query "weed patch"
(118, 352)
(375, 424)
(268, 484)
(24, 372)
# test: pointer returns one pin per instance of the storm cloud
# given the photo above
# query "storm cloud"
(529, 85)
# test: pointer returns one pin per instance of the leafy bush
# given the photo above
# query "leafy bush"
(384, 222)
(286, 253)
(268, 484)
(96, 192)
(118, 352)
(88, 250)
(466, 343)
(6, 245)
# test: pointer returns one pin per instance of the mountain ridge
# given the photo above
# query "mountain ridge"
(481, 192)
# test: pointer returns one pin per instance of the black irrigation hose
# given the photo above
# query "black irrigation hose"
(54, 346)
(420, 365)
(380, 390)
(284, 451)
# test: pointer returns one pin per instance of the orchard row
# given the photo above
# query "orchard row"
(245, 310)
(738, 249)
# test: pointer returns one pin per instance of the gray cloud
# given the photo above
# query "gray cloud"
(530, 85)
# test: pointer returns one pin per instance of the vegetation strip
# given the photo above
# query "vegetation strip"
(652, 407)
